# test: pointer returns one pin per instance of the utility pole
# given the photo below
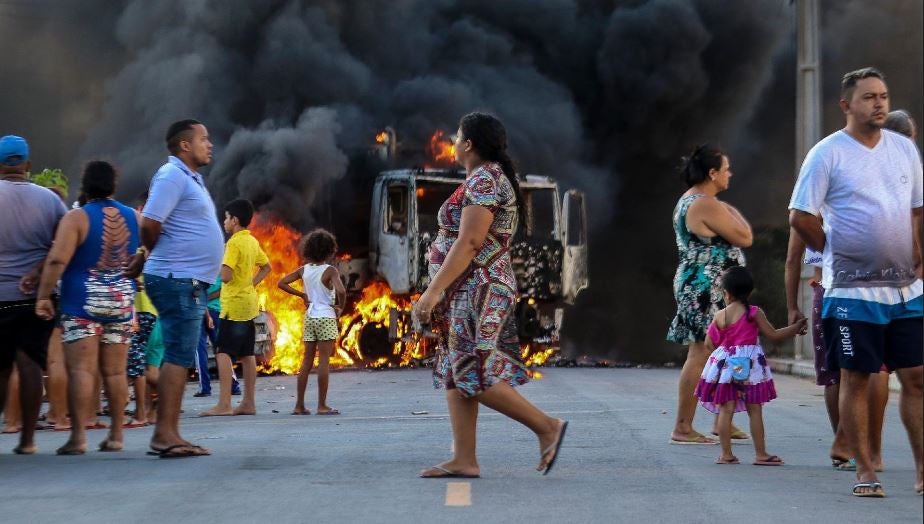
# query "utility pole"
(808, 127)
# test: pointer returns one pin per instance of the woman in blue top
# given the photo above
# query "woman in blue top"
(92, 246)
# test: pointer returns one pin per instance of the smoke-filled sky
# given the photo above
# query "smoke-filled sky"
(603, 95)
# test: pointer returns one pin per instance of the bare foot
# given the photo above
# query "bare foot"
(245, 410)
(453, 468)
(301, 411)
(218, 411)
(12, 428)
(25, 450)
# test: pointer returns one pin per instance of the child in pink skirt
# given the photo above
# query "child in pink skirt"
(737, 377)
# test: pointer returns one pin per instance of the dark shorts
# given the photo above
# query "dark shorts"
(180, 304)
(236, 338)
(824, 375)
(866, 328)
(21, 330)
(864, 346)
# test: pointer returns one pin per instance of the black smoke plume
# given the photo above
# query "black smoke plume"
(603, 95)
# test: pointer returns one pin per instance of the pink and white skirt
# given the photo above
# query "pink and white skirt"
(717, 385)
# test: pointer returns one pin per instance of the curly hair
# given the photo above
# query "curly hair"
(318, 245)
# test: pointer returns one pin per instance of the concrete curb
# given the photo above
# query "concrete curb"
(806, 369)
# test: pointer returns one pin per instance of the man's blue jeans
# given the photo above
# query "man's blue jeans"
(180, 304)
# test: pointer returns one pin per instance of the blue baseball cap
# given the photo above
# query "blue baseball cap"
(14, 150)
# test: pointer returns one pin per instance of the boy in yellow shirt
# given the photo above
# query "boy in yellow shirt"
(239, 308)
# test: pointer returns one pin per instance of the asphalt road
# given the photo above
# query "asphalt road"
(615, 465)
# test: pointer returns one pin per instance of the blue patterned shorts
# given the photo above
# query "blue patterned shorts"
(136, 351)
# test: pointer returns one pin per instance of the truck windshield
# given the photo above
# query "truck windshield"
(430, 196)
(541, 209)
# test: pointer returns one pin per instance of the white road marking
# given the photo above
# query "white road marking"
(459, 494)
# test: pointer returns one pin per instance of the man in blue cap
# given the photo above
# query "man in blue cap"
(29, 214)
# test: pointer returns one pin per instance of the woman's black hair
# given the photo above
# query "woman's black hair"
(696, 166)
(489, 140)
(98, 180)
(739, 283)
(318, 245)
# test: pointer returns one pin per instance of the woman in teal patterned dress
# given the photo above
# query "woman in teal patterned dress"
(710, 234)
(472, 296)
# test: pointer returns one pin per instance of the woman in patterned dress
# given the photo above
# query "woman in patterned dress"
(710, 234)
(472, 296)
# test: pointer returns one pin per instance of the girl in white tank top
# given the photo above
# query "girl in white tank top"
(321, 297)
(321, 329)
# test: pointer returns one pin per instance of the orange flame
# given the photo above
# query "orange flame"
(441, 149)
(533, 356)
(280, 242)
(375, 307)
(381, 138)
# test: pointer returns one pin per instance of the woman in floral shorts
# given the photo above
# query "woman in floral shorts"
(92, 247)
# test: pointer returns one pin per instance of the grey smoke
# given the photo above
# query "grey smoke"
(603, 95)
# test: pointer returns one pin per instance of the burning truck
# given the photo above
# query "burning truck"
(385, 275)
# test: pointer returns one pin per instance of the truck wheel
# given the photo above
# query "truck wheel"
(374, 343)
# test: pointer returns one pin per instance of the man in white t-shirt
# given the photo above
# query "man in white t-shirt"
(827, 376)
(860, 183)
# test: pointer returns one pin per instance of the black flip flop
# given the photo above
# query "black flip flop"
(561, 438)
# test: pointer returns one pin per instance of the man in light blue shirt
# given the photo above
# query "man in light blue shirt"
(183, 245)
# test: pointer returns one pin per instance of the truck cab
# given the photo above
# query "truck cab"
(549, 254)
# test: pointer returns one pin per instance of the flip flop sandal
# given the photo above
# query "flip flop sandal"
(874, 485)
(109, 447)
(556, 447)
(62, 451)
(329, 412)
(844, 465)
(737, 437)
(169, 452)
(773, 460)
(306, 412)
(701, 440)
(447, 474)
(732, 461)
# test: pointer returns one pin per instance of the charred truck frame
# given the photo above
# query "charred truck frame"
(549, 254)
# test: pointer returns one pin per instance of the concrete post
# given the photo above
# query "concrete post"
(808, 127)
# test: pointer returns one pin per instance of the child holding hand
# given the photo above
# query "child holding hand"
(736, 376)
